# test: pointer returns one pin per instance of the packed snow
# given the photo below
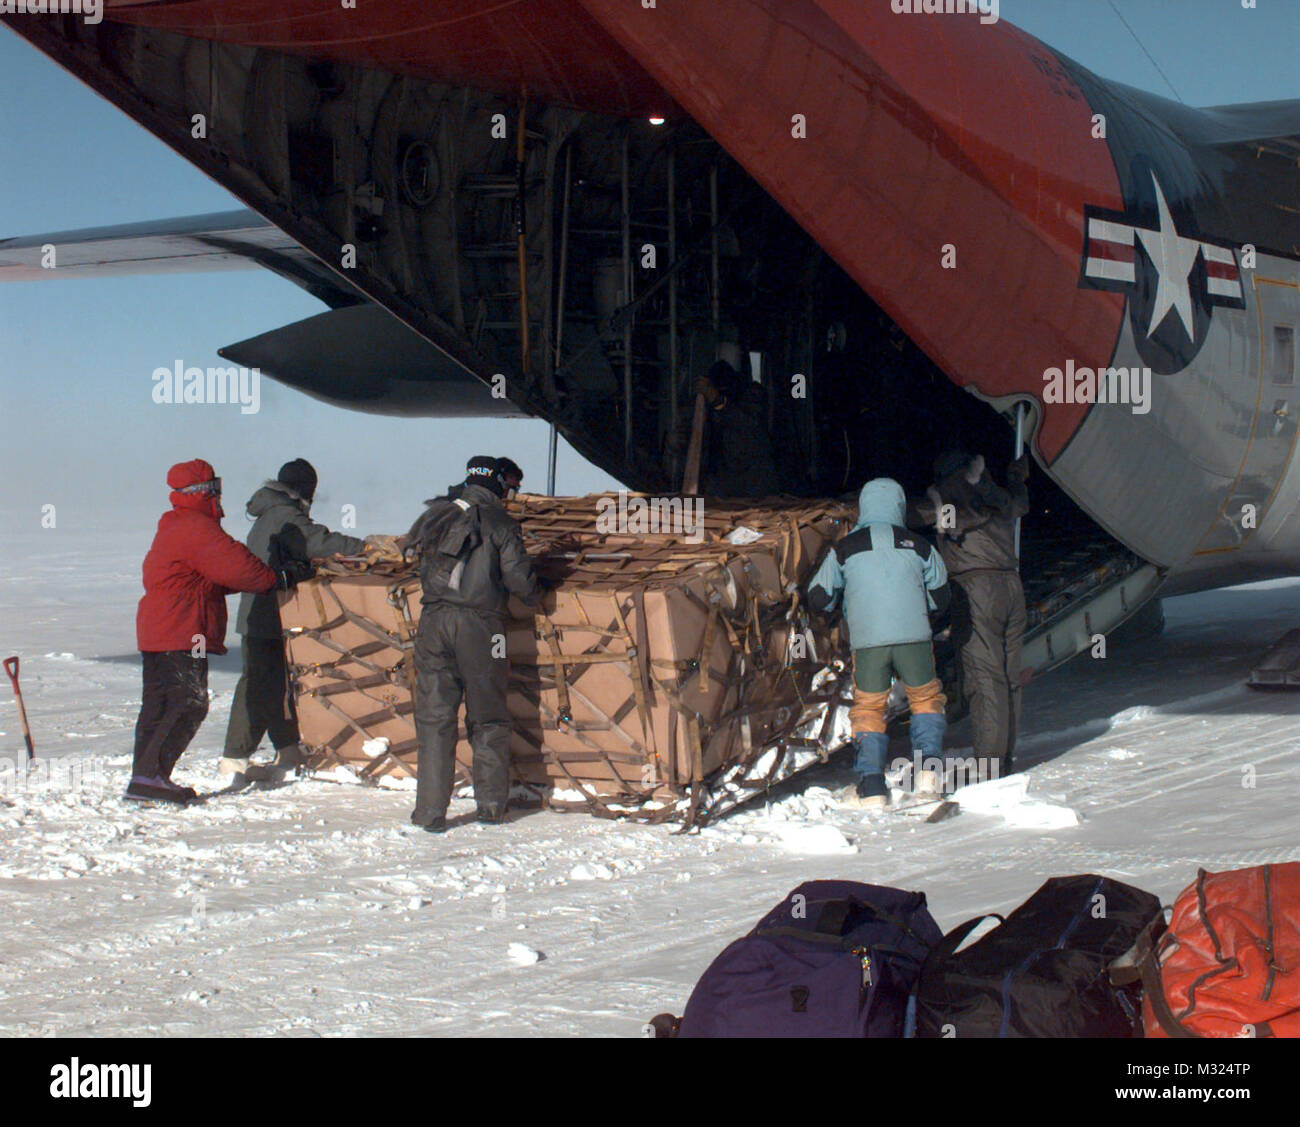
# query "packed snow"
(317, 909)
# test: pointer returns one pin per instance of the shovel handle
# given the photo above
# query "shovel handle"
(11, 667)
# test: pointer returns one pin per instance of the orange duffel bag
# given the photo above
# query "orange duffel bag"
(1228, 964)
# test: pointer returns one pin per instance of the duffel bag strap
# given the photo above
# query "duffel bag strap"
(1140, 962)
(947, 946)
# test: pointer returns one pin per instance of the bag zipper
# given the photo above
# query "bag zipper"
(864, 956)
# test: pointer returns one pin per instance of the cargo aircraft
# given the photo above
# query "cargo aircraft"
(909, 228)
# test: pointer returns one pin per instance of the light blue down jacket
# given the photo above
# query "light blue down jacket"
(887, 577)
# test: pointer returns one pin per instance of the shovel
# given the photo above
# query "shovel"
(11, 667)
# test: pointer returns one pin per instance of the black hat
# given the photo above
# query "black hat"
(510, 468)
(483, 470)
(300, 476)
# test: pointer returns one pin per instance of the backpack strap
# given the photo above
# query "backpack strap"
(833, 917)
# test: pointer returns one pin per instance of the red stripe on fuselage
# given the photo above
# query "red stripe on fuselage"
(1115, 252)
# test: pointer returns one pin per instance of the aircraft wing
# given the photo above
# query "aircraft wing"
(224, 240)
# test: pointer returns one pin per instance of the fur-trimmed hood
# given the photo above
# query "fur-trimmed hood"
(274, 493)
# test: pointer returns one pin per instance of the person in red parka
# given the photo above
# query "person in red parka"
(192, 565)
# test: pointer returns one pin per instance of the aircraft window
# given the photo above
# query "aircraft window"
(1283, 354)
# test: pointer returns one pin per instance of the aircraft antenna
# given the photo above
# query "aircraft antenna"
(1145, 51)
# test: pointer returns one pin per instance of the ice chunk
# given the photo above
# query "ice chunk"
(799, 837)
(594, 871)
(1009, 798)
(522, 955)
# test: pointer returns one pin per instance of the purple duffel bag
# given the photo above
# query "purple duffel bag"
(834, 959)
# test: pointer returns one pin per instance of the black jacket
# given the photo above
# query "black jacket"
(491, 565)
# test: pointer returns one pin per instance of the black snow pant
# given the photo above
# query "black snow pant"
(262, 701)
(988, 627)
(454, 649)
(173, 705)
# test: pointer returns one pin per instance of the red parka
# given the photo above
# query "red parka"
(192, 565)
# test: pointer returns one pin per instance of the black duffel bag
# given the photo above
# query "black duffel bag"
(1043, 971)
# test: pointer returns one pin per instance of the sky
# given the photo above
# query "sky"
(79, 430)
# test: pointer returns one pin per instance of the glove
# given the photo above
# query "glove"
(1018, 471)
(293, 573)
(706, 387)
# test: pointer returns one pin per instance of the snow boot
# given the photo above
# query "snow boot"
(243, 774)
(284, 766)
(437, 826)
(871, 793)
(928, 784)
(143, 788)
(491, 815)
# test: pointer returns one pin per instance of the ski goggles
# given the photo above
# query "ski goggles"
(212, 486)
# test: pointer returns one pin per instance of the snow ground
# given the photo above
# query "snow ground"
(318, 910)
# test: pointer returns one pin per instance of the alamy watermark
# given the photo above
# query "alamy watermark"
(63, 774)
(179, 384)
(955, 771)
(987, 10)
(91, 11)
(1131, 386)
(635, 515)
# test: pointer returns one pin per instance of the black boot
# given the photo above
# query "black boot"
(437, 826)
(186, 793)
(492, 815)
(146, 789)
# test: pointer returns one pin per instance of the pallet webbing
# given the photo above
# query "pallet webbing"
(597, 641)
